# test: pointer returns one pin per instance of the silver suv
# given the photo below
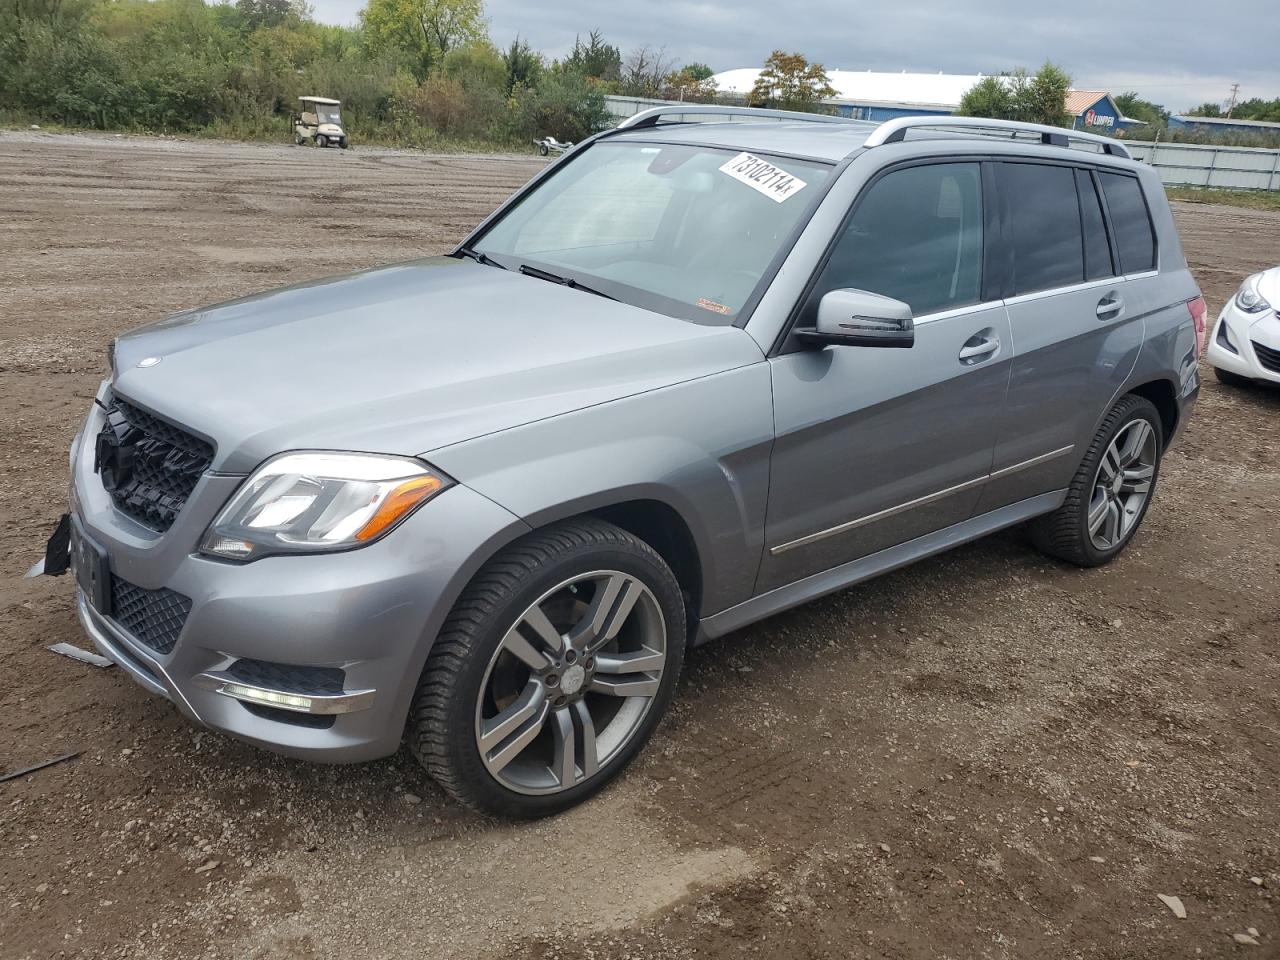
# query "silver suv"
(696, 372)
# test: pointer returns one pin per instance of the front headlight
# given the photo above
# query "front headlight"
(1249, 299)
(319, 502)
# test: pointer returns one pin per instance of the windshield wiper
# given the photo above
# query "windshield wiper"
(569, 282)
(479, 257)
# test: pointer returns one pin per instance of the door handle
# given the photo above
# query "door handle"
(979, 347)
(1110, 307)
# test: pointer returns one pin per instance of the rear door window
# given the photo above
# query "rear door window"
(1130, 222)
(1044, 220)
(1097, 249)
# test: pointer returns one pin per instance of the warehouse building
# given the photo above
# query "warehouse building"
(1219, 125)
(867, 95)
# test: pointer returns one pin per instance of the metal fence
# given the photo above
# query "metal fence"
(1179, 164)
(1194, 165)
(623, 107)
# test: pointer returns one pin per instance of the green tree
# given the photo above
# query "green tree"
(62, 74)
(688, 86)
(990, 97)
(566, 105)
(1206, 110)
(790, 82)
(1031, 98)
(476, 65)
(697, 71)
(523, 66)
(1043, 98)
(422, 30)
(595, 59)
(1134, 107)
(1256, 108)
(263, 13)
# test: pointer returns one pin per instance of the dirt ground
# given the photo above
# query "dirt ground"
(985, 755)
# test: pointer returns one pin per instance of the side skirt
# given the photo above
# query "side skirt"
(872, 565)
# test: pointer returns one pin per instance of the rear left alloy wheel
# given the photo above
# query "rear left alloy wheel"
(551, 672)
(1112, 488)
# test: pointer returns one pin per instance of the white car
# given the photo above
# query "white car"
(1245, 344)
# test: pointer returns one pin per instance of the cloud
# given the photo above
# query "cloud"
(1173, 51)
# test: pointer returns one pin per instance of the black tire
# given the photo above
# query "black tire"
(343, 143)
(543, 150)
(1064, 533)
(441, 726)
(1230, 379)
(321, 140)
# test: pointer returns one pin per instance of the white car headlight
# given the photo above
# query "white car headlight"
(319, 502)
(1249, 299)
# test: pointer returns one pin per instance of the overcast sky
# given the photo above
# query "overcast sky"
(1177, 52)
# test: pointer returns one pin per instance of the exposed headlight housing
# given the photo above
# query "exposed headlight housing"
(319, 503)
(1248, 298)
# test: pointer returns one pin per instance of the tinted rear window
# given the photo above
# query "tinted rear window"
(1048, 248)
(1130, 222)
(1097, 251)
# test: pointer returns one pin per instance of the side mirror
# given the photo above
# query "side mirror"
(860, 319)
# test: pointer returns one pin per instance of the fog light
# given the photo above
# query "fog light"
(1224, 337)
(271, 698)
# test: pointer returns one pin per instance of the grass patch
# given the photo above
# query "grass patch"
(1253, 199)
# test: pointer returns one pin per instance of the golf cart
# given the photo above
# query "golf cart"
(320, 122)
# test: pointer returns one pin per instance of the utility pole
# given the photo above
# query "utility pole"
(1231, 104)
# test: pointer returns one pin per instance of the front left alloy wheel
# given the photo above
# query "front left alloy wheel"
(551, 672)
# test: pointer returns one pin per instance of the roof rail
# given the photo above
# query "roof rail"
(895, 131)
(650, 118)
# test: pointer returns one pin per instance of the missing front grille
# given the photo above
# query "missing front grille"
(148, 465)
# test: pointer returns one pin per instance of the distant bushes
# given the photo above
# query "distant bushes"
(237, 70)
(1227, 138)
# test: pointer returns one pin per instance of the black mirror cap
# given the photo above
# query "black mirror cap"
(900, 339)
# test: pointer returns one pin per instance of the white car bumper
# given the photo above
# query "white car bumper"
(1247, 344)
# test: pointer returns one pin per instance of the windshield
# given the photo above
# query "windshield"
(327, 114)
(683, 230)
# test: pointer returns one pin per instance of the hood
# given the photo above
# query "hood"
(405, 359)
(329, 128)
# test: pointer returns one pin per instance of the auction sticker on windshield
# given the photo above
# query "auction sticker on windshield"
(774, 182)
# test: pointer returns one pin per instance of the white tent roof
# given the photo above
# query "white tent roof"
(855, 86)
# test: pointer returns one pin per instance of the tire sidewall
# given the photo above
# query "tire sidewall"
(1231, 379)
(487, 792)
(1136, 408)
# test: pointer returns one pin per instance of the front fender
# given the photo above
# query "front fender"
(700, 447)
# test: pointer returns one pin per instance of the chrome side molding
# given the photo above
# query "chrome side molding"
(918, 502)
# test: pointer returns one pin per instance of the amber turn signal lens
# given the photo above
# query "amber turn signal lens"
(397, 503)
